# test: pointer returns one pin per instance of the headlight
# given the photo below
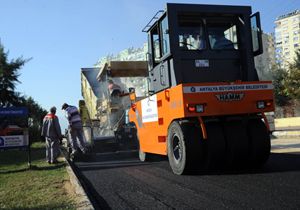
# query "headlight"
(199, 108)
(260, 104)
(195, 108)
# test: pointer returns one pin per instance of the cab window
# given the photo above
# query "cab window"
(222, 36)
(165, 36)
(191, 34)
(156, 44)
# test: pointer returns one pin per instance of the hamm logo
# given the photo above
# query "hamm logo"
(230, 96)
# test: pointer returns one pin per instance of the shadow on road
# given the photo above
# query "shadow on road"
(110, 160)
(280, 162)
(110, 165)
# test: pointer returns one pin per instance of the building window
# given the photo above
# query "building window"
(278, 50)
(295, 19)
(278, 33)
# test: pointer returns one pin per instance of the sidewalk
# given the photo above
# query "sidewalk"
(287, 128)
(286, 134)
(285, 145)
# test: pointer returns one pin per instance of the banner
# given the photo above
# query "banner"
(13, 127)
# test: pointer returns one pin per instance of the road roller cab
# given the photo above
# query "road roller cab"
(206, 104)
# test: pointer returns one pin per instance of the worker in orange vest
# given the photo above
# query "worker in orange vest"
(52, 132)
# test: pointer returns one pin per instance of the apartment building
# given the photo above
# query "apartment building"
(287, 37)
(265, 61)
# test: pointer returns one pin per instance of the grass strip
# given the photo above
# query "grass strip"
(44, 186)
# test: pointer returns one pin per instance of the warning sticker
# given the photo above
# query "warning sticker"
(149, 109)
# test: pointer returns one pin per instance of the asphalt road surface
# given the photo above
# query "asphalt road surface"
(118, 180)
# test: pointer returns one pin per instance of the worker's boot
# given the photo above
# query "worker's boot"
(73, 155)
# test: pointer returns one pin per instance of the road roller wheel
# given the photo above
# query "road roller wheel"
(185, 147)
(237, 149)
(259, 140)
(215, 146)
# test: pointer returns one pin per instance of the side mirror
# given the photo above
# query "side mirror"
(256, 34)
(149, 61)
(150, 92)
(131, 90)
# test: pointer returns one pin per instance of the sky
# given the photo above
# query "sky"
(63, 36)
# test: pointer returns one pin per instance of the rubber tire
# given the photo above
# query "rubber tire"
(187, 138)
(215, 146)
(237, 145)
(142, 156)
(260, 144)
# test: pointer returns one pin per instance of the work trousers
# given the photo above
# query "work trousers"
(52, 149)
(77, 139)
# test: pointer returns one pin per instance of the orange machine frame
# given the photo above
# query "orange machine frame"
(153, 115)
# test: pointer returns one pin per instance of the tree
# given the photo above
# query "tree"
(282, 96)
(9, 97)
(36, 114)
(9, 77)
(293, 79)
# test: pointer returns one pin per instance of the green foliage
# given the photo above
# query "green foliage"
(42, 187)
(279, 81)
(35, 114)
(296, 64)
(36, 119)
(293, 79)
(9, 73)
(9, 77)
(287, 82)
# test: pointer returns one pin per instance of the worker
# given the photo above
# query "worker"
(198, 40)
(75, 130)
(52, 133)
(183, 42)
(221, 42)
(114, 89)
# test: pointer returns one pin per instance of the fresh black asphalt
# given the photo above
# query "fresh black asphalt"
(118, 180)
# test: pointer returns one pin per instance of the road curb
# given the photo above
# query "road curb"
(286, 134)
(83, 201)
